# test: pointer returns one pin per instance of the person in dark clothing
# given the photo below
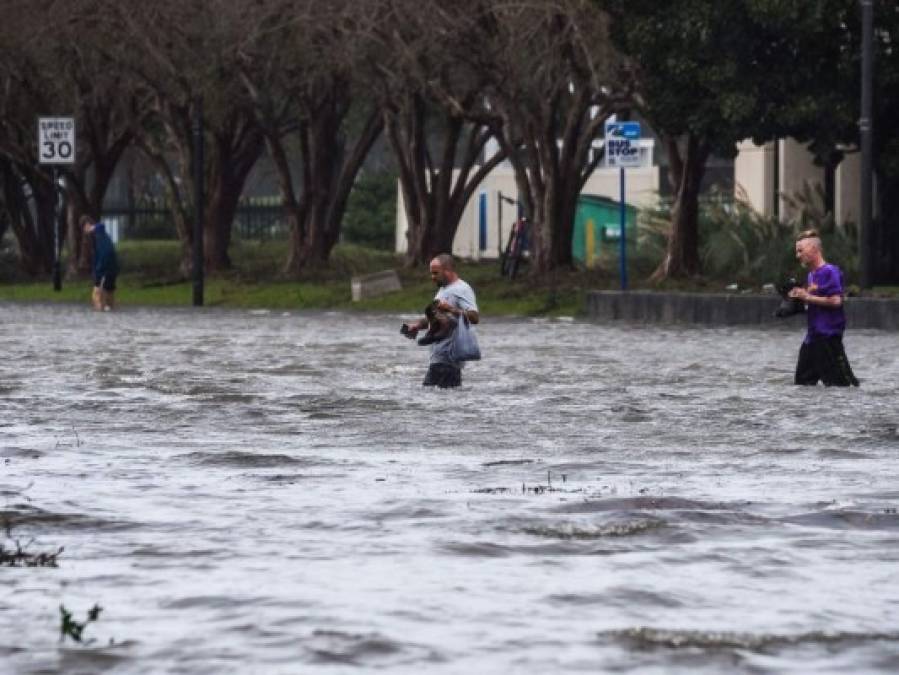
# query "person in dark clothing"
(821, 356)
(106, 264)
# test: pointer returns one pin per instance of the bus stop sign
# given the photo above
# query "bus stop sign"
(622, 149)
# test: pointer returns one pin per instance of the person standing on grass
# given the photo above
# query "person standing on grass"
(106, 264)
(822, 356)
(456, 297)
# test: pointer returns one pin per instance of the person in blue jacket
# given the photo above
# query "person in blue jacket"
(106, 264)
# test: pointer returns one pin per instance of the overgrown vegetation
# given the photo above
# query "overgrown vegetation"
(739, 245)
(370, 218)
(19, 555)
(75, 629)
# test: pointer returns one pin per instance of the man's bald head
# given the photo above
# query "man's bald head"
(446, 261)
(443, 269)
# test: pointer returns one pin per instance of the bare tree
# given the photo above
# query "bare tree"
(29, 195)
(107, 109)
(181, 52)
(301, 64)
(552, 83)
(433, 109)
(53, 68)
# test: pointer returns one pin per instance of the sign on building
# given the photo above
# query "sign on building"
(56, 140)
(622, 145)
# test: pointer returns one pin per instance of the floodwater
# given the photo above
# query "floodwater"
(258, 492)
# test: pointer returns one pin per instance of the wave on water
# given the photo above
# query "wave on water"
(339, 647)
(645, 637)
(243, 458)
(24, 515)
(641, 504)
(572, 531)
(888, 519)
(509, 462)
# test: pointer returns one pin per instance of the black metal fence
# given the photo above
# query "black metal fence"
(253, 221)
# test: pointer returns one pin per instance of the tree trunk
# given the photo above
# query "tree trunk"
(237, 151)
(6, 210)
(551, 174)
(235, 148)
(79, 263)
(34, 256)
(687, 157)
(105, 155)
(435, 196)
(35, 235)
(329, 172)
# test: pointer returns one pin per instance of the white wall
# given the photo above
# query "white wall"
(848, 189)
(754, 176)
(797, 170)
(642, 191)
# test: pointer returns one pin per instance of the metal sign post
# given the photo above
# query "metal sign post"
(865, 124)
(622, 240)
(199, 197)
(56, 146)
(622, 151)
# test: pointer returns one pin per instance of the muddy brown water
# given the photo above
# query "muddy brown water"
(259, 492)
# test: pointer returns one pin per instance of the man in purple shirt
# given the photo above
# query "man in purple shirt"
(821, 356)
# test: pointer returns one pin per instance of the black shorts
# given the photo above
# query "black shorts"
(825, 360)
(443, 375)
(107, 283)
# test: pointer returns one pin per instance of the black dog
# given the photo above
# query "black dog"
(788, 306)
(440, 325)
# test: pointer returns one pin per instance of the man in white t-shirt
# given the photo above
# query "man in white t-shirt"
(456, 297)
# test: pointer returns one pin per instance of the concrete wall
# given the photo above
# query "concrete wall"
(725, 310)
(642, 191)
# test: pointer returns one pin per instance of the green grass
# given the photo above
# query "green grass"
(151, 276)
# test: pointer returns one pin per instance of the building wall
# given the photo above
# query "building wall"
(642, 188)
(848, 189)
(797, 171)
(754, 176)
(766, 173)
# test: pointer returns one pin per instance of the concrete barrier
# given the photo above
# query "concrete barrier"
(373, 285)
(716, 309)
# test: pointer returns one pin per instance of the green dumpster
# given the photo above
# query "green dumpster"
(597, 228)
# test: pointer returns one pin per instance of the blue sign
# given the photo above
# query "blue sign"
(628, 130)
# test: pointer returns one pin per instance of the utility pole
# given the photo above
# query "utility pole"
(865, 125)
(58, 207)
(199, 199)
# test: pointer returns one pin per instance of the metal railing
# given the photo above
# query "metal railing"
(253, 221)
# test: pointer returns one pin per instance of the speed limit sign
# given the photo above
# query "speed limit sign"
(56, 140)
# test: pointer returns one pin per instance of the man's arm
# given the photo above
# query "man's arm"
(821, 301)
(421, 324)
(472, 314)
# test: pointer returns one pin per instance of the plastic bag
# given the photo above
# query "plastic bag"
(465, 343)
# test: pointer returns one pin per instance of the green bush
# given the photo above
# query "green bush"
(370, 218)
(737, 244)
